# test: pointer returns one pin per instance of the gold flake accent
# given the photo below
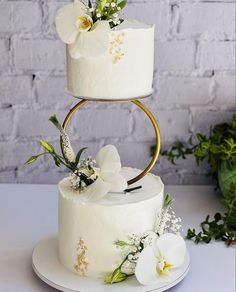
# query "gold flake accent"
(81, 265)
(115, 49)
(118, 55)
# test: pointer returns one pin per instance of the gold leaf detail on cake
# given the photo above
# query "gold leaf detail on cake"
(81, 266)
(115, 49)
(118, 54)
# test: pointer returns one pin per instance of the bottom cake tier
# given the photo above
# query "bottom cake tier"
(88, 231)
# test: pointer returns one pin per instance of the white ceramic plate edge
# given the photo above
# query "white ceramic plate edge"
(124, 286)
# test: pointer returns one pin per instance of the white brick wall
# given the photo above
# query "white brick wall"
(194, 86)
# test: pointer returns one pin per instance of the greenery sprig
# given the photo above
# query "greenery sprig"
(219, 150)
(218, 147)
(221, 227)
(118, 275)
(82, 171)
(58, 159)
(50, 150)
(134, 247)
(107, 10)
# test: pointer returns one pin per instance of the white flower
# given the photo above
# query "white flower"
(168, 252)
(109, 177)
(75, 27)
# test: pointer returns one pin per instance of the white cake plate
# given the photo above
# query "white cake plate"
(48, 268)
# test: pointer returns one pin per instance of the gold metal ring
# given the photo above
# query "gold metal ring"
(153, 121)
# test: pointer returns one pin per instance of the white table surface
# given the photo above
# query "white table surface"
(28, 213)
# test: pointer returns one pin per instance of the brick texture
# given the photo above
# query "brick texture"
(194, 87)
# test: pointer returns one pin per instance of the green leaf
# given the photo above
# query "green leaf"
(217, 217)
(55, 122)
(168, 200)
(116, 277)
(57, 160)
(47, 146)
(226, 177)
(122, 4)
(121, 243)
(90, 4)
(77, 159)
(108, 279)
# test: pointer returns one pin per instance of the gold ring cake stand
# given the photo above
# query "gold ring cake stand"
(143, 108)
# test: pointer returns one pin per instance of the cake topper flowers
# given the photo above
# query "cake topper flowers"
(86, 28)
(91, 182)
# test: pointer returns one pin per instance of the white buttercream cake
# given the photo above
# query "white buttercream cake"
(124, 71)
(88, 230)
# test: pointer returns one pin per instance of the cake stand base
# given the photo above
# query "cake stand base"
(48, 268)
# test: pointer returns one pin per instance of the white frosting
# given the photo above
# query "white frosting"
(100, 224)
(129, 77)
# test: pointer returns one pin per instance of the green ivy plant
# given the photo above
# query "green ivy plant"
(219, 150)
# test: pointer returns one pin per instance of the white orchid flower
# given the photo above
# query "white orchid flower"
(109, 178)
(154, 263)
(75, 27)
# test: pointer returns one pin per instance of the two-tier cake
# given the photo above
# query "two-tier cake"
(114, 221)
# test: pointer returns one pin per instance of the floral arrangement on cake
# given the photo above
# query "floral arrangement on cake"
(85, 27)
(87, 180)
(153, 255)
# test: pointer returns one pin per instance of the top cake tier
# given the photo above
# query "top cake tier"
(123, 71)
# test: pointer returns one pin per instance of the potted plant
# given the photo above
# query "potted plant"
(219, 150)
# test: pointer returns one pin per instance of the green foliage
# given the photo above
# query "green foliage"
(219, 150)
(116, 277)
(216, 148)
(133, 248)
(222, 227)
(226, 176)
(121, 243)
(78, 156)
(50, 150)
(168, 201)
(176, 151)
(108, 10)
